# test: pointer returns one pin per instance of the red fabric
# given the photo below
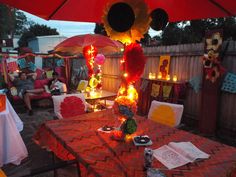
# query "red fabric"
(81, 43)
(40, 83)
(72, 106)
(92, 10)
(12, 66)
(39, 73)
(103, 156)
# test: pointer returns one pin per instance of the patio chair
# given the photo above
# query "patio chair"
(166, 113)
(70, 105)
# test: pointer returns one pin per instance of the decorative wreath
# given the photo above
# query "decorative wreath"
(126, 20)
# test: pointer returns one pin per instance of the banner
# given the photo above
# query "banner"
(229, 84)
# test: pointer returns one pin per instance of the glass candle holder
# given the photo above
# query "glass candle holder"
(159, 76)
(175, 78)
(168, 77)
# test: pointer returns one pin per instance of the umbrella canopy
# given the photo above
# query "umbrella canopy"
(92, 10)
(75, 44)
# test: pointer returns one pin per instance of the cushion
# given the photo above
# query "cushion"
(166, 113)
(49, 74)
(40, 83)
(13, 91)
(71, 105)
(82, 85)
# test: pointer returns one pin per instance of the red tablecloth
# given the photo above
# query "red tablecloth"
(101, 156)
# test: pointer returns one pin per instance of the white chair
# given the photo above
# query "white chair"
(70, 105)
(166, 113)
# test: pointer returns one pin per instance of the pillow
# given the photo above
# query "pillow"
(66, 106)
(13, 91)
(49, 74)
(82, 85)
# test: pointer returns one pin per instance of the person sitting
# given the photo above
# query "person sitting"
(56, 86)
(25, 88)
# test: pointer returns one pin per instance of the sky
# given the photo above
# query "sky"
(69, 29)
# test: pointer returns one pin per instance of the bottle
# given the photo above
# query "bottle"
(148, 158)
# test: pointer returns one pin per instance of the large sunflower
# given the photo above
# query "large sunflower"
(139, 27)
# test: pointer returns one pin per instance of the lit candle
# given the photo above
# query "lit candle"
(150, 76)
(168, 77)
(174, 78)
(153, 75)
(159, 76)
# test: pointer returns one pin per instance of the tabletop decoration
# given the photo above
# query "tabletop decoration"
(126, 20)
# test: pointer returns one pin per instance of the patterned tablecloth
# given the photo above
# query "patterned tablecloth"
(101, 156)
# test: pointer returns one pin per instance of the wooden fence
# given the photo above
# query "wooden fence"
(185, 63)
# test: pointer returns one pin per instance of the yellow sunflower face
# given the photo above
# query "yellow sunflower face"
(214, 42)
(139, 26)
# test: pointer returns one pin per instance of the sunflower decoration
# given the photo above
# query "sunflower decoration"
(214, 42)
(126, 20)
(210, 58)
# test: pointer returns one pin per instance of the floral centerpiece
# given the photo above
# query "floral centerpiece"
(125, 107)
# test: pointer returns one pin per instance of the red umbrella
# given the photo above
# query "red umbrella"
(75, 44)
(92, 10)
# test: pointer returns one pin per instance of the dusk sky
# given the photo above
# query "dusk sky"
(69, 29)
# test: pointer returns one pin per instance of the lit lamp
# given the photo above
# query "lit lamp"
(159, 76)
(174, 78)
(168, 77)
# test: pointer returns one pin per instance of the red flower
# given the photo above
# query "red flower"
(72, 106)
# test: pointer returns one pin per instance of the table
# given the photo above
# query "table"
(12, 147)
(99, 155)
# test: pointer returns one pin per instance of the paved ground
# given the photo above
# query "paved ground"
(37, 156)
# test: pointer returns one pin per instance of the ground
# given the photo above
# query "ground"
(37, 157)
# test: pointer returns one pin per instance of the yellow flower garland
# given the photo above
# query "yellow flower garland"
(138, 29)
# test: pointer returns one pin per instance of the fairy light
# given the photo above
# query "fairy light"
(125, 75)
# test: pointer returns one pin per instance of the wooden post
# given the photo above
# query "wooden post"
(209, 106)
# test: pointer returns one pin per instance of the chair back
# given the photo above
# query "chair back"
(67, 106)
(166, 113)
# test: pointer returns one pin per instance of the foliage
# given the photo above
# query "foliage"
(36, 30)
(12, 21)
(99, 29)
(194, 31)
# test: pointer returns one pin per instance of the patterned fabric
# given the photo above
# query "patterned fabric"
(229, 84)
(22, 63)
(144, 85)
(12, 66)
(166, 91)
(195, 83)
(32, 66)
(155, 90)
(101, 156)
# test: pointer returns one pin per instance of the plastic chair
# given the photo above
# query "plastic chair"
(166, 113)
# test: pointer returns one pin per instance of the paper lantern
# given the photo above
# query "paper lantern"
(100, 59)
(159, 19)
(2, 102)
(121, 17)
